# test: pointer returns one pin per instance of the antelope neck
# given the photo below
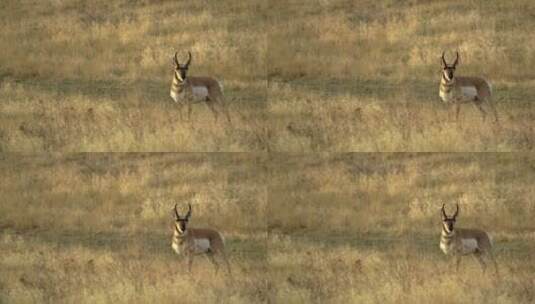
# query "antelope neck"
(447, 234)
(448, 82)
(180, 234)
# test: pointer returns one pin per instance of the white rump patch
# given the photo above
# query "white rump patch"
(200, 91)
(490, 86)
(201, 245)
(469, 245)
(469, 92)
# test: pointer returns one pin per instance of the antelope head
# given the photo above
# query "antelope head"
(449, 69)
(181, 69)
(182, 222)
(449, 222)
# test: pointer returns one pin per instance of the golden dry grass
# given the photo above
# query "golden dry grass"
(321, 228)
(95, 76)
(96, 228)
(365, 228)
(364, 75)
(299, 76)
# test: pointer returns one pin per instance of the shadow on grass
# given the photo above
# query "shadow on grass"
(152, 243)
(422, 244)
(382, 89)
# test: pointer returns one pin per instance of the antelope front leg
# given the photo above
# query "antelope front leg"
(180, 105)
(190, 262)
(190, 109)
(457, 263)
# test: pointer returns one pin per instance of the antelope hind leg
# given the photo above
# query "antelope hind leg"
(479, 258)
(225, 110)
(210, 105)
(227, 263)
(478, 105)
(212, 259)
(493, 260)
(492, 107)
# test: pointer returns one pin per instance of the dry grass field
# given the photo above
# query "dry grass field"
(95, 75)
(364, 75)
(307, 82)
(96, 228)
(365, 228)
(300, 228)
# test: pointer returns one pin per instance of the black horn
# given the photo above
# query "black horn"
(189, 212)
(176, 60)
(444, 64)
(189, 59)
(444, 212)
(176, 213)
(456, 59)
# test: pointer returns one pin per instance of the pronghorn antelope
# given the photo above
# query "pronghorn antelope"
(190, 242)
(460, 242)
(459, 90)
(188, 90)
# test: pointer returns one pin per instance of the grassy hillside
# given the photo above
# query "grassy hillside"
(365, 228)
(96, 228)
(95, 75)
(298, 75)
(364, 75)
(320, 228)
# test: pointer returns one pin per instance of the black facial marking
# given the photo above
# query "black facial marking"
(449, 223)
(449, 70)
(182, 223)
(182, 71)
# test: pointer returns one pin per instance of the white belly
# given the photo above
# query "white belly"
(199, 92)
(469, 92)
(201, 245)
(469, 245)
